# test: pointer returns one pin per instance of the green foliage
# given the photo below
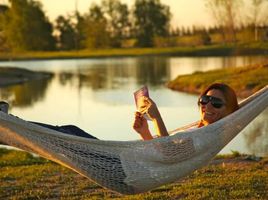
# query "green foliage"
(117, 18)
(151, 19)
(67, 33)
(3, 44)
(26, 27)
(95, 29)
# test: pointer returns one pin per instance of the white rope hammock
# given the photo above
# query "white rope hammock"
(134, 166)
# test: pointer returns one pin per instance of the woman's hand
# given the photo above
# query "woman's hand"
(149, 107)
(140, 123)
(141, 126)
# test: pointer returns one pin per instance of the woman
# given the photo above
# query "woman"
(215, 102)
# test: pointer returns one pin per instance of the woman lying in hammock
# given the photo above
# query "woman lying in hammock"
(215, 102)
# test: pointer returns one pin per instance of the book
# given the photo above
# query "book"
(137, 95)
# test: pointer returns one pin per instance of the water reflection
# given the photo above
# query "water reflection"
(256, 135)
(25, 95)
(151, 71)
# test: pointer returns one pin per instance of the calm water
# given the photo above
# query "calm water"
(97, 95)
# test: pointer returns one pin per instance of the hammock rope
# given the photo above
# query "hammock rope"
(131, 167)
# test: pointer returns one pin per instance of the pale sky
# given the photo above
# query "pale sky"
(185, 12)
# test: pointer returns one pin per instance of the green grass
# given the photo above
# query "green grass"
(244, 80)
(212, 50)
(24, 176)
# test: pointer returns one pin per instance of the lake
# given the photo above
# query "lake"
(97, 95)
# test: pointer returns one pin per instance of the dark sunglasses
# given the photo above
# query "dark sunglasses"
(215, 102)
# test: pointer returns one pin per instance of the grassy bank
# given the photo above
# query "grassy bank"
(213, 50)
(26, 177)
(244, 80)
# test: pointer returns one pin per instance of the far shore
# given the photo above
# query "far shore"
(210, 50)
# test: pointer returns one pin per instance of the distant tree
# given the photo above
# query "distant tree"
(183, 31)
(95, 29)
(213, 29)
(257, 15)
(188, 31)
(151, 19)
(175, 31)
(3, 43)
(205, 37)
(225, 13)
(66, 33)
(117, 18)
(79, 30)
(26, 27)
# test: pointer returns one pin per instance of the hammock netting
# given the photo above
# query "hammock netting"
(131, 167)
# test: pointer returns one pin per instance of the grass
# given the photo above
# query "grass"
(244, 80)
(24, 176)
(212, 50)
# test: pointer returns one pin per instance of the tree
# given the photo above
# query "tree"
(151, 19)
(26, 27)
(80, 34)
(66, 33)
(3, 44)
(95, 29)
(225, 14)
(117, 18)
(258, 15)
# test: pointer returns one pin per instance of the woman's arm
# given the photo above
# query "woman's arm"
(160, 126)
(152, 111)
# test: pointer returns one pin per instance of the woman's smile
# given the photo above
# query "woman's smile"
(209, 113)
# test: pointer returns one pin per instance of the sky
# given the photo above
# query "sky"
(185, 12)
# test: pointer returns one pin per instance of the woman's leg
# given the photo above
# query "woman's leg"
(68, 129)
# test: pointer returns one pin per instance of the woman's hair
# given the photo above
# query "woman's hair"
(228, 93)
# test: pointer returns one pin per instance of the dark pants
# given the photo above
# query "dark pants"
(110, 168)
(68, 129)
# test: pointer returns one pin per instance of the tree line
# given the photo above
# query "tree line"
(24, 26)
(112, 24)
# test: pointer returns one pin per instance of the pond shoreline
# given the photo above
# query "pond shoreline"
(244, 80)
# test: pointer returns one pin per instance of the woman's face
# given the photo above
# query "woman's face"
(210, 113)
